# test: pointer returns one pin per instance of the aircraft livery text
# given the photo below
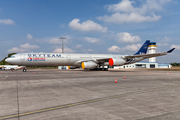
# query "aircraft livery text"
(44, 55)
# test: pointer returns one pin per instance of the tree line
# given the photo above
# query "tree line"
(3, 62)
(175, 64)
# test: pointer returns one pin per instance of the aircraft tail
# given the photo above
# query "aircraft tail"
(144, 48)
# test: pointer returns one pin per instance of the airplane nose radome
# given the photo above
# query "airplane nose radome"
(7, 60)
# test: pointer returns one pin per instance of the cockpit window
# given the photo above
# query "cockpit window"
(12, 56)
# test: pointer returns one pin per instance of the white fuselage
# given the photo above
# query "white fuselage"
(56, 59)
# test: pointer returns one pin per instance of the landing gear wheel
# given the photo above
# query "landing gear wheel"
(106, 69)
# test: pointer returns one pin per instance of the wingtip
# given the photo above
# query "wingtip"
(170, 50)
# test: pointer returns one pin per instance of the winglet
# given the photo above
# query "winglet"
(170, 50)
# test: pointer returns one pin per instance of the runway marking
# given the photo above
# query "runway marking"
(85, 102)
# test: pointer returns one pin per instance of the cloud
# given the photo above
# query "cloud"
(132, 17)
(162, 44)
(114, 49)
(24, 48)
(127, 38)
(56, 40)
(66, 50)
(128, 48)
(88, 51)
(132, 48)
(167, 39)
(6, 21)
(124, 11)
(177, 47)
(164, 41)
(87, 26)
(92, 40)
(78, 46)
(29, 36)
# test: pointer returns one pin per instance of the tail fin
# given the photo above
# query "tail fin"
(144, 48)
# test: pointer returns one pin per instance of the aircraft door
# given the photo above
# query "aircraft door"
(69, 59)
(22, 57)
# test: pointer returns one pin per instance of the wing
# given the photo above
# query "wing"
(147, 55)
(99, 60)
(126, 58)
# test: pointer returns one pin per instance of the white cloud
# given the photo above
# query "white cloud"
(6, 21)
(24, 48)
(92, 40)
(128, 48)
(124, 11)
(162, 44)
(177, 47)
(132, 17)
(78, 46)
(66, 50)
(87, 26)
(167, 39)
(163, 41)
(133, 47)
(29, 36)
(127, 38)
(114, 49)
(87, 51)
(56, 40)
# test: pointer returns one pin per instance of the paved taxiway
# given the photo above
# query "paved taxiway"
(90, 95)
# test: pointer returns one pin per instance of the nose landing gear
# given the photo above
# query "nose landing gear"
(24, 69)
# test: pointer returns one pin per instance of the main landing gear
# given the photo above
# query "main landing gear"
(99, 69)
(24, 69)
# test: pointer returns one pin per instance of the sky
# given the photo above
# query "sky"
(89, 26)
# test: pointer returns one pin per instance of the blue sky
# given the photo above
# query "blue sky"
(90, 26)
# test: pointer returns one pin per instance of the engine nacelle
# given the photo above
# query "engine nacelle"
(116, 62)
(72, 67)
(88, 65)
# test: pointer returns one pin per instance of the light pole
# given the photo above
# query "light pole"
(62, 44)
(62, 48)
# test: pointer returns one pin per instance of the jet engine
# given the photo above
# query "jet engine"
(88, 65)
(116, 62)
(72, 67)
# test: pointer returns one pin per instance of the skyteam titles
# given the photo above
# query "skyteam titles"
(44, 55)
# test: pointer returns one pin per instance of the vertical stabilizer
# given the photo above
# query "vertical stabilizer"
(144, 48)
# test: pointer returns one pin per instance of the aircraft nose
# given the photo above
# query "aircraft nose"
(7, 60)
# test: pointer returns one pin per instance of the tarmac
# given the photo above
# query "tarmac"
(89, 95)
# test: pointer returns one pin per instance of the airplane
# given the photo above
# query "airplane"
(10, 67)
(84, 61)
